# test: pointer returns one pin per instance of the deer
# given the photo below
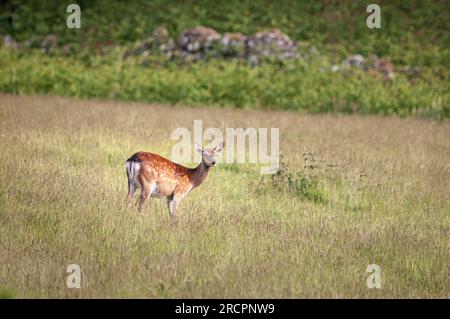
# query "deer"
(159, 177)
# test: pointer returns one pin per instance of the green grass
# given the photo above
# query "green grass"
(6, 294)
(385, 192)
(296, 85)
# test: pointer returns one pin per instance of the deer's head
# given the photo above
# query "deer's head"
(209, 155)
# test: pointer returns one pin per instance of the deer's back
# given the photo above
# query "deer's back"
(166, 173)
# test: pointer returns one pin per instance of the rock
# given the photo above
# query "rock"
(233, 44)
(10, 43)
(190, 57)
(384, 67)
(162, 42)
(198, 39)
(373, 65)
(168, 48)
(202, 42)
(334, 68)
(160, 35)
(273, 43)
(48, 43)
(355, 60)
(253, 60)
(66, 49)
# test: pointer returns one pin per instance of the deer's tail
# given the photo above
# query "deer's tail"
(132, 167)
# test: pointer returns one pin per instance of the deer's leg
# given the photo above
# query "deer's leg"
(173, 201)
(172, 204)
(131, 191)
(147, 189)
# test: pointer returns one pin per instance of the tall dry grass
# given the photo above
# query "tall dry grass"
(352, 191)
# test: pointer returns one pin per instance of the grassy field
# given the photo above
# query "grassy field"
(351, 191)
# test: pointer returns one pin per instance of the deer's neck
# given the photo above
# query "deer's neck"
(199, 174)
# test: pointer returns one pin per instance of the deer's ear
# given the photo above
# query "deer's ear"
(198, 148)
(219, 147)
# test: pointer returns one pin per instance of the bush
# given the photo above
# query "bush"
(294, 85)
(304, 184)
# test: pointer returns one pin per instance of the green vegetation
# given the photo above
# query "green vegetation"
(304, 184)
(6, 294)
(296, 86)
(414, 34)
(412, 31)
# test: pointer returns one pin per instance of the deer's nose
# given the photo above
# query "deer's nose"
(213, 163)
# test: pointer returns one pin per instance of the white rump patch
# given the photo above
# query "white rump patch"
(133, 169)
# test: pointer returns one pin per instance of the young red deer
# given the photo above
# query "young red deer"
(159, 177)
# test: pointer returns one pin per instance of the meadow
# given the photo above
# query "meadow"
(351, 191)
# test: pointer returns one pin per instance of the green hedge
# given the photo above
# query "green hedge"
(295, 85)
